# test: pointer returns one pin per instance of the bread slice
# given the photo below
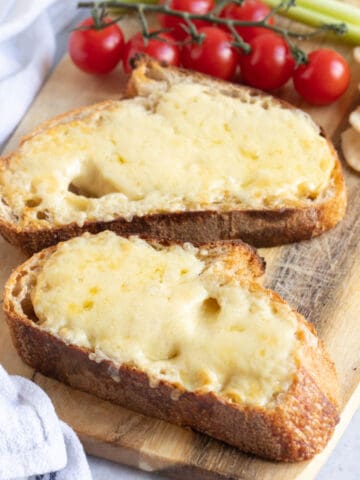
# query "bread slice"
(183, 157)
(177, 332)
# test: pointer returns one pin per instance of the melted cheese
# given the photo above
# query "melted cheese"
(163, 311)
(188, 147)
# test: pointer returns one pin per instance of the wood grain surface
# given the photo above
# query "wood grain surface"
(321, 278)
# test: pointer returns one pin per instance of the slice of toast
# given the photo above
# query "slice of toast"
(183, 157)
(180, 333)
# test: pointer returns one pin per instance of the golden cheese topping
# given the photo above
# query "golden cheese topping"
(163, 311)
(189, 147)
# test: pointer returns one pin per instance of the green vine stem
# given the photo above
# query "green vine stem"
(212, 17)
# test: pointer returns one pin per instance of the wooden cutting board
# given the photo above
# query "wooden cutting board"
(321, 278)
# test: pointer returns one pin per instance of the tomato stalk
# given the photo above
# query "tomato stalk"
(98, 17)
(212, 17)
(320, 12)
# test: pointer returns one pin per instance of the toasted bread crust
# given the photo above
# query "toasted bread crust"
(261, 228)
(294, 428)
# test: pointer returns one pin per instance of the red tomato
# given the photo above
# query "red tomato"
(324, 78)
(167, 52)
(269, 65)
(191, 6)
(215, 56)
(96, 51)
(250, 10)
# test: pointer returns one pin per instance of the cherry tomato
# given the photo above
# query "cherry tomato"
(250, 10)
(167, 51)
(324, 78)
(269, 65)
(215, 56)
(96, 51)
(175, 23)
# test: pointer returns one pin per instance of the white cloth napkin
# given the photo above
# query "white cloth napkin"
(27, 48)
(34, 443)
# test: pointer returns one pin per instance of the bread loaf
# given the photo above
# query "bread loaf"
(181, 333)
(183, 157)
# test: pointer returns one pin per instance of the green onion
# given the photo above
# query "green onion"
(319, 12)
(338, 10)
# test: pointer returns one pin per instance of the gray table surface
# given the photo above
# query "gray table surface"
(343, 464)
